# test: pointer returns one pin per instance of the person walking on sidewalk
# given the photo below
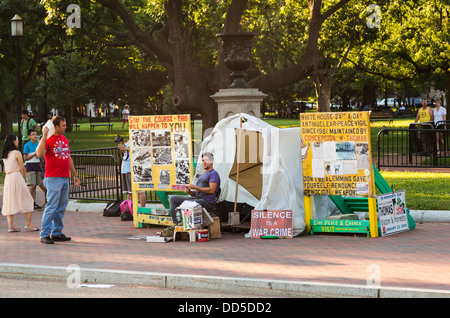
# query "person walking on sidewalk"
(16, 196)
(58, 166)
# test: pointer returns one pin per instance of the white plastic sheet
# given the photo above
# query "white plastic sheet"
(282, 187)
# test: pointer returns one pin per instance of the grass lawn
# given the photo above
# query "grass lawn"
(101, 137)
(424, 190)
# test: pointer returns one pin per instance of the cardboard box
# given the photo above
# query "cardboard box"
(192, 218)
(214, 229)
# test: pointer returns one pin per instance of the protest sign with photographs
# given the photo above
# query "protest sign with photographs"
(161, 152)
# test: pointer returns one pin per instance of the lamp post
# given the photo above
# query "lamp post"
(44, 114)
(17, 32)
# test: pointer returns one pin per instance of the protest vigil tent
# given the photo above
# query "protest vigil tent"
(270, 166)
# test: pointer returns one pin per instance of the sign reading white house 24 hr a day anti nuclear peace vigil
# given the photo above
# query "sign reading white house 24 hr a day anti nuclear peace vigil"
(161, 152)
(336, 154)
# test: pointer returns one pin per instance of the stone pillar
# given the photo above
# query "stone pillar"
(232, 101)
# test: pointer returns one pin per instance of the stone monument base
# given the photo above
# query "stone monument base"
(232, 101)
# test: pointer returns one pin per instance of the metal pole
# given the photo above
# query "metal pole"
(19, 93)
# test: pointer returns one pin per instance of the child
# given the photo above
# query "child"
(33, 166)
(16, 196)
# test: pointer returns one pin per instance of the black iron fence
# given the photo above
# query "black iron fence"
(99, 176)
(421, 146)
(99, 171)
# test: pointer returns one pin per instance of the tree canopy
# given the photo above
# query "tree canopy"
(138, 50)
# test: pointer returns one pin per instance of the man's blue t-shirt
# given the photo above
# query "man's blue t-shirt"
(30, 147)
(203, 181)
(34, 164)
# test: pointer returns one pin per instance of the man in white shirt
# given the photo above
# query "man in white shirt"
(125, 114)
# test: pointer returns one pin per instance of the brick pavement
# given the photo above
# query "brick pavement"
(415, 259)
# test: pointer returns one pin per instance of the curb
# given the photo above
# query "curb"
(212, 283)
(74, 206)
(430, 216)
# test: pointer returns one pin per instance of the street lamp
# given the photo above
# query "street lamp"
(17, 32)
(44, 114)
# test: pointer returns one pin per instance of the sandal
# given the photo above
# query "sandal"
(13, 230)
(31, 228)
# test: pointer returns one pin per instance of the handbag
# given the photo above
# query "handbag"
(126, 209)
(112, 209)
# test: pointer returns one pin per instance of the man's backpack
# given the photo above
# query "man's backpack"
(126, 209)
(112, 209)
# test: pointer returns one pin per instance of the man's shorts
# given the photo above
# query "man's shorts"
(34, 178)
(126, 183)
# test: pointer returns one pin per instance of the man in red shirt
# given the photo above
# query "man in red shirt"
(58, 166)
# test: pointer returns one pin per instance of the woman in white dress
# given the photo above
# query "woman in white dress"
(16, 196)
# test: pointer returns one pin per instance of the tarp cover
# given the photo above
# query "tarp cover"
(273, 152)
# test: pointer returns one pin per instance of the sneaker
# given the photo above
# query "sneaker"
(46, 240)
(60, 238)
(37, 207)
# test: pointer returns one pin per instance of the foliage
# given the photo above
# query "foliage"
(411, 45)
(409, 52)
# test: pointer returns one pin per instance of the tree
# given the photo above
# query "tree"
(180, 35)
(36, 37)
(411, 44)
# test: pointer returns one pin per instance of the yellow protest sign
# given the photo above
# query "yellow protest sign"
(336, 154)
(160, 152)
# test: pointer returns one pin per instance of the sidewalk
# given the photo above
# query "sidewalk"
(410, 264)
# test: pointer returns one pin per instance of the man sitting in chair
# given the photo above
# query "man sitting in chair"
(203, 192)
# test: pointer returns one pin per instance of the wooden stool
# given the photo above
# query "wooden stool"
(181, 230)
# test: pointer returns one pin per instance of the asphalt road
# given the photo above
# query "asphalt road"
(27, 288)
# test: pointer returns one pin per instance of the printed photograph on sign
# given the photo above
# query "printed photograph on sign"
(142, 166)
(345, 150)
(162, 156)
(142, 174)
(362, 153)
(142, 156)
(182, 172)
(140, 138)
(181, 146)
(161, 138)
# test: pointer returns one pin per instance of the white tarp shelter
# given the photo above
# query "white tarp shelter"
(278, 184)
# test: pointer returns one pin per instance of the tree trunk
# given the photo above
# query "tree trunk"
(345, 102)
(322, 83)
(447, 93)
(369, 96)
(68, 115)
(6, 120)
